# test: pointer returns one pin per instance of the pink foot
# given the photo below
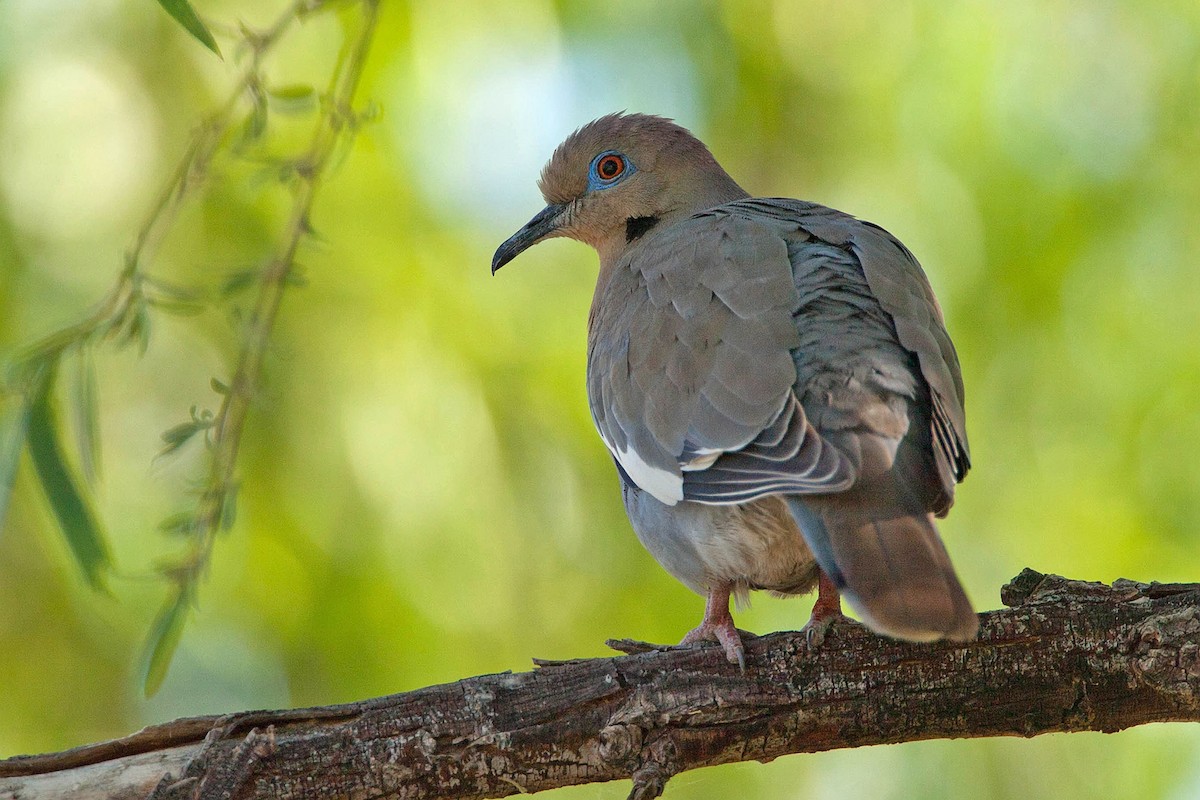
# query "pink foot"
(718, 626)
(826, 611)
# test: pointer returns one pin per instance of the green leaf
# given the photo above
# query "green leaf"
(296, 91)
(240, 280)
(182, 523)
(256, 122)
(86, 416)
(183, 294)
(179, 435)
(185, 15)
(67, 500)
(14, 424)
(229, 508)
(164, 638)
(182, 308)
(134, 325)
(294, 99)
(372, 113)
(140, 328)
(296, 277)
(176, 437)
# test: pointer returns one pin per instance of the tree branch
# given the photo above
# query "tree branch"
(1067, 656)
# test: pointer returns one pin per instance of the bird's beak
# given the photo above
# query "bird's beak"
(542, 226)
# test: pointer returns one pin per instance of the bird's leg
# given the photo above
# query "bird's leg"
(826, 610)
(718, 626)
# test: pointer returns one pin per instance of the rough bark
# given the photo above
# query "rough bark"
(1067, 656)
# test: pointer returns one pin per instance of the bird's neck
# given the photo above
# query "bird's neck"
(700, 190)
(716, 190)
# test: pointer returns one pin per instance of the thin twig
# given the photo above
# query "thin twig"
(113, 313)
(231, 418)
(124, 314)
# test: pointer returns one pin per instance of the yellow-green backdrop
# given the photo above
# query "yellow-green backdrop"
(423, 497)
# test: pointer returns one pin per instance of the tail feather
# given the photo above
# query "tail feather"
(893, 570)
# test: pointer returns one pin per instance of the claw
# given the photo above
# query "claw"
(725, 634)
(815, 630)
(826, 611)
(718, 626)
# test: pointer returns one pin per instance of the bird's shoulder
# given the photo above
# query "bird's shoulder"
(757, 238)
(741, 258)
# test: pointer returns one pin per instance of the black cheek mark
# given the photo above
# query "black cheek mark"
(636, 227)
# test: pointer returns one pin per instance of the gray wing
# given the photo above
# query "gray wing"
(901, 289)
(690, 370)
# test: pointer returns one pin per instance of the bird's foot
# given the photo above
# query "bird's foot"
(826, 611)
(723, 632)
(718, 626)
(815, 629)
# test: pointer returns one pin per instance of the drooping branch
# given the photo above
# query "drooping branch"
(29, 420)
(214, 511)
(1066, 656)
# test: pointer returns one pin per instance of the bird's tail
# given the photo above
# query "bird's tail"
(892, 569)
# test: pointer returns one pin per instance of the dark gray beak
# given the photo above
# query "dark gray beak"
(541, 226)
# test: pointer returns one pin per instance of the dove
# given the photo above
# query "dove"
(773, 379)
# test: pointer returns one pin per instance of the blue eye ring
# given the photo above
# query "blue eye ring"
(608, 169)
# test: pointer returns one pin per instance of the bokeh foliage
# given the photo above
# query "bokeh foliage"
(422, 496)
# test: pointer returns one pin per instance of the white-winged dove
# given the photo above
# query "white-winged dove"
(773, 379)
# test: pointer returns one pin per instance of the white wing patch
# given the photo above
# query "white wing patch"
(705, 458)
(665, 486)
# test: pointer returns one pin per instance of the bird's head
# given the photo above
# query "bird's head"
(616, 178)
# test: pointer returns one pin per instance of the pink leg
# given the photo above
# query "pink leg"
(718, 626)
(826, 610)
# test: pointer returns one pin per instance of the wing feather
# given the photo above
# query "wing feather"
(694, 346)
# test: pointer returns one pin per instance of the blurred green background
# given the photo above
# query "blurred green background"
(423, 495)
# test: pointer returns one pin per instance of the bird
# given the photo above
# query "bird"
(773, 379)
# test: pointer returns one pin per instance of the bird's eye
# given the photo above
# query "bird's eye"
(610, 167)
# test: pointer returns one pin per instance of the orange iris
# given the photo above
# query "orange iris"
(610, 167)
